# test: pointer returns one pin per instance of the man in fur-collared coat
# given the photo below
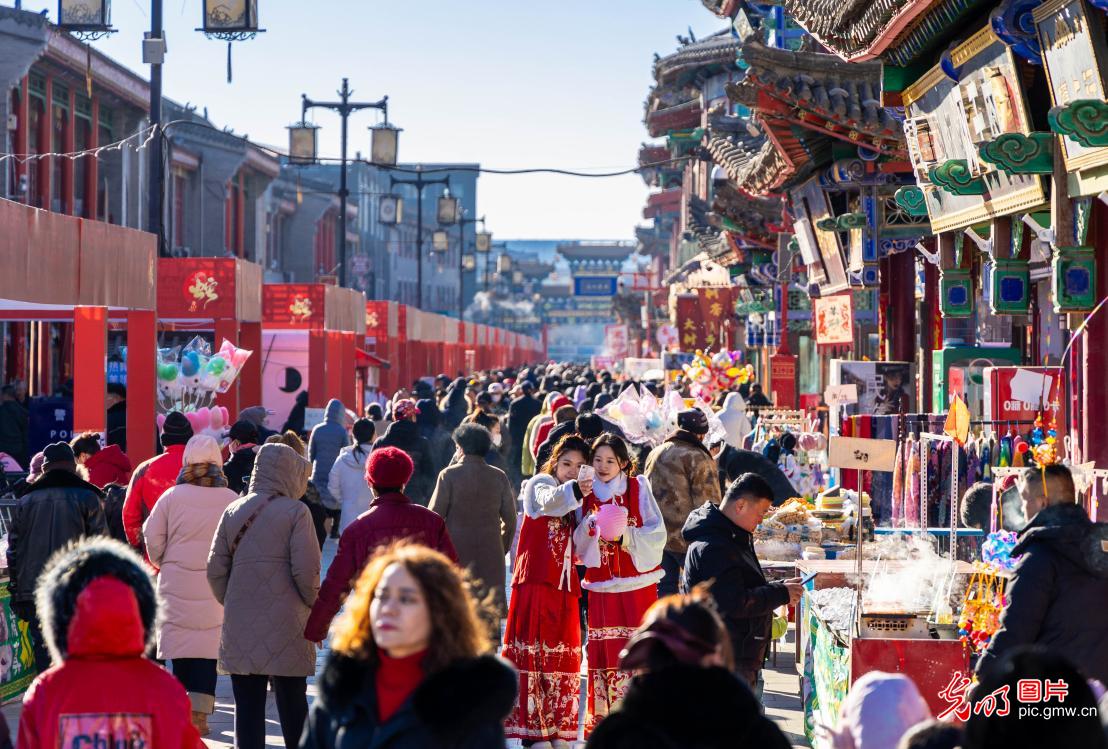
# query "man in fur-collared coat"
(683, 475)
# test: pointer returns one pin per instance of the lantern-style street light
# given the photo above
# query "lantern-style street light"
(448, 209)
(484, 240)
(390, 209)
(469, 262)
(462, 262)
(419, 183)
(384, 140)
(86, 19)
(440, 242)
(302, 145)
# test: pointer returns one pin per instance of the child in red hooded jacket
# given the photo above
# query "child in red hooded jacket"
(98, 608)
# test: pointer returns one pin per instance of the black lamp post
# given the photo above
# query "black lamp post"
(462, 222)
(302, 138)
(419, 183)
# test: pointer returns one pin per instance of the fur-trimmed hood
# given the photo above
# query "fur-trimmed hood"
(470, 697)
(117, 618)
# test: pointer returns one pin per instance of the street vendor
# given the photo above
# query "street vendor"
(721, 552)
(1056, 595)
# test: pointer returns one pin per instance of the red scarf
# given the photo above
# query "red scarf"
(396, 679)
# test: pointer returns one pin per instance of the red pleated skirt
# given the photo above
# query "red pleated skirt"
(543, 639)
(613, 617)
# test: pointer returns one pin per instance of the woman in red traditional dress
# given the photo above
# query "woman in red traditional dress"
(543, 634)
(620, 541)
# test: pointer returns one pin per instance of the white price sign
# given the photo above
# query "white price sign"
(841, 395)
(860, 453)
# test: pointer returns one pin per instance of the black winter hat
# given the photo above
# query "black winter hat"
(693, 420)
(177, 430)
(58, 452)
(244, 432)
(70, 571)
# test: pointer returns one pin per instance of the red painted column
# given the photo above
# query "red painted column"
(46, 138)
(228, 329)
(68, 203)
(1093, 362)
(250, 379)
(901, 324)
(317, 369)
(92, 189)
(349, 381)
(23, 133)
(90, 376)
(335, 376)
(142, 343)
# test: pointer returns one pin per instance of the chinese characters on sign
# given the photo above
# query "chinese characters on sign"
(1030, 693)
(834, 320)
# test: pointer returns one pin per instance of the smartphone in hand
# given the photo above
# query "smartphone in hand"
(587, 473)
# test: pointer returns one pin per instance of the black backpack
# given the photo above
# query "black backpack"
(114, 495)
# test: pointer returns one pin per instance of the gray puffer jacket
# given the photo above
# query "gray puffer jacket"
(324, 445)
(268, 583)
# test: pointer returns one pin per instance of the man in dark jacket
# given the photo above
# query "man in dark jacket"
(58, 508)
(13, 426)
(524, 407)
(404, 434)
(683, 476)
(1056, 593)
(244, 448)
(390, 517)
(116, 433)
(721, 550)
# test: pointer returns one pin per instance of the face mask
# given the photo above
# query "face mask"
(496, 440)
(495, 397)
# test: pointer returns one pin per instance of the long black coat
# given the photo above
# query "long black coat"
(58, 508)
(460, 707)
(520, 412)
(687, 707)
(405, 436)
(723, 552)
(1057, 593)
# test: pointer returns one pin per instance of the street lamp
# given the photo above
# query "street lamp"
(484, 239)
(504, 265)
(469, 263)
(384, 140)
(299, 138)
(448, 209)
(419, 183)
(462, 222)
(86, 19)
(390, 210)
(303, 143)
(440, 242)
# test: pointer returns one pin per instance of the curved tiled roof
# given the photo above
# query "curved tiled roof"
(718, 49)
(681, 117)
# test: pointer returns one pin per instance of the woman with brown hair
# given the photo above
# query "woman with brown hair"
(408, 667)
(684, 693)
(543, 634)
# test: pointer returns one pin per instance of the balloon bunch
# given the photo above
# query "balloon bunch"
(646, 420)
(189, 376)
(212, 421)
(709, 374)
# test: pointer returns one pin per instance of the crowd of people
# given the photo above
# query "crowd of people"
(638, 562)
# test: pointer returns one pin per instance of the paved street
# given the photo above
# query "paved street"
(782, 703)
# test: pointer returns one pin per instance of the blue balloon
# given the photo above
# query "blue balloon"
(190, 363)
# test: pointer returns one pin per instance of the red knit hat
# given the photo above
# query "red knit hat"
(388, 467)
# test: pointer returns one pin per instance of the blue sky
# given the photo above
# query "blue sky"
(508, 83)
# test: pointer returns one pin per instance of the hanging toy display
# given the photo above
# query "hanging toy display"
(190, 376)
(709, 374)
(985, 598)
(1044, 443)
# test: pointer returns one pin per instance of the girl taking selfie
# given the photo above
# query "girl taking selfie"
(543, 633)
(620, 541)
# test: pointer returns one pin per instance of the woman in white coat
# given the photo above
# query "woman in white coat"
(178, 537)
(347, 482)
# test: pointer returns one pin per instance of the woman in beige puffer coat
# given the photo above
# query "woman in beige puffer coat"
(178, 537)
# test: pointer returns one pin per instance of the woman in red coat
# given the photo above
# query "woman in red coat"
(543, 633)
(98, 610)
